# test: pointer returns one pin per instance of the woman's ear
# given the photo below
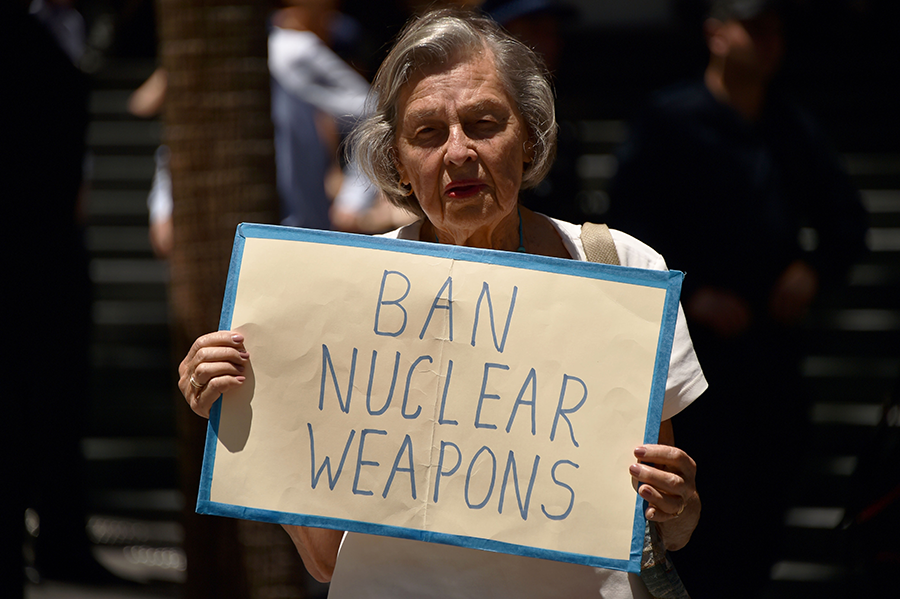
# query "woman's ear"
(401, 170)
(528, 147)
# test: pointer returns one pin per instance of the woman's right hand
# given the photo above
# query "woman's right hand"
(215, 364)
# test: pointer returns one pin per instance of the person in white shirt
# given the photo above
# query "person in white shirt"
(464, 119)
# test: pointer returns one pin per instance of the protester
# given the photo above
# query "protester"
(463, 120)
(725, 176)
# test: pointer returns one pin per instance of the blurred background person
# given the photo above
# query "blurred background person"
(316, 99)
(146, 102)
(307, 77)
(64, 22)
(541, 25)
(724, 176)
(48, 282)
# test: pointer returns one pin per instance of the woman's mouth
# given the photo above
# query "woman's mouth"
(464, 189)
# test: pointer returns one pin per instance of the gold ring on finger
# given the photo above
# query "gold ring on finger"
(197, 385)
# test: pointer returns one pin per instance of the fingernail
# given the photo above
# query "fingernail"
(244, 355)
(644, 491)
(640, 451)
(237, 338)
(634, 469)
(650, 513)
(240, 379)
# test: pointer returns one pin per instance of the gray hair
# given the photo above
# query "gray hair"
(441, 38)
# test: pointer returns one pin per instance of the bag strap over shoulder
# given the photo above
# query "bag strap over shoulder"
(598, 244)
(657, 570)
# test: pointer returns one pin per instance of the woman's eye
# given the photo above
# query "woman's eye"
(484, 127)
(425, 132)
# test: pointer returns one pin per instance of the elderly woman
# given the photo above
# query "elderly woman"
(463, 121)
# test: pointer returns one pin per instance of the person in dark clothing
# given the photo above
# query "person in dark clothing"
(49, 287)
(722, 176)
(540, 25)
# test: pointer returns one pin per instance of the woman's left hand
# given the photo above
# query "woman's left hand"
(666, 477)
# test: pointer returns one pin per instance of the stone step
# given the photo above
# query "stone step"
(858, 332)
(161, 504)
(809, 580)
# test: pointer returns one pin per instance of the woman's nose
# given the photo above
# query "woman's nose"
(459, 147)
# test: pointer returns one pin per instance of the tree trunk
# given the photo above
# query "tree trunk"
(219, 132)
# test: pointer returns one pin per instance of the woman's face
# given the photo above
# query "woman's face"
(461, 144)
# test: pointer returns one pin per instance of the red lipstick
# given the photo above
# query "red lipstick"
(464, 188)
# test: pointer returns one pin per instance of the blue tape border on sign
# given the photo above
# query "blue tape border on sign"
(668, 280)
(231, 284)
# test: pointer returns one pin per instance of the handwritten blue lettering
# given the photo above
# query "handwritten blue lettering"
(440, 468)
(326, 361)
(412, 368)
(448, 285)
(568, 510)
(531, 378)
(441, 419)
(490, 491)
(486, 292)
(394, 302)
(360, 462)
(560, 411)
(482, 396)
(390, 396)
(511, 466)
(406, 445)
(326, 463)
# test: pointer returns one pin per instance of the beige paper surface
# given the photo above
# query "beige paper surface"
(504, 426)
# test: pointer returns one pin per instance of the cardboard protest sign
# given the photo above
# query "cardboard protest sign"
(470, 397)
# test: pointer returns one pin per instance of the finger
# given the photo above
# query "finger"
(201, 400)
(661, 506)
(208, 359)
(667, 457)
(215, 347)
(219, 338)
(660, 481)
(209, 363)
(657, 515)
(205, 372)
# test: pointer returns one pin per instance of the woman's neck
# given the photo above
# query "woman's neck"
(503, 235)
(538, 236)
